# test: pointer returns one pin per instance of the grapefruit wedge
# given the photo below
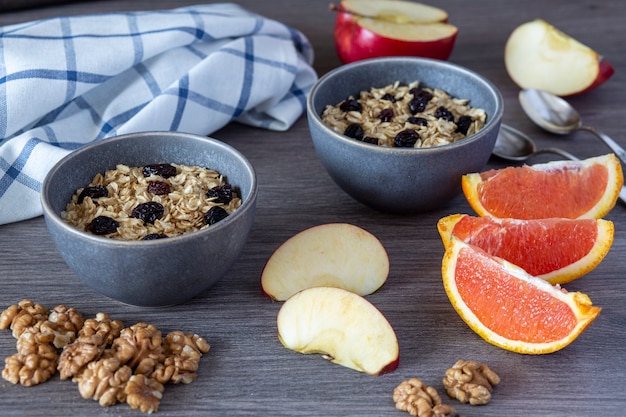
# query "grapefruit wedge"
(556, 250)
(509, 308)
(568, 189)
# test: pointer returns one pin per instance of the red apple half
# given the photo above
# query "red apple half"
(376, 28)
(537, 55)
(342, 326)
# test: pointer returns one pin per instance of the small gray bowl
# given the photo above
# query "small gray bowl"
(159, 272)
(402, 180)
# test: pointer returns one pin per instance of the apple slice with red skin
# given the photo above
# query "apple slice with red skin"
(333, 254)
(538, 55)
(342, 326)
(376, 28)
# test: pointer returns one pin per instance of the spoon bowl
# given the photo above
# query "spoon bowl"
(556, 115)
(513, 145)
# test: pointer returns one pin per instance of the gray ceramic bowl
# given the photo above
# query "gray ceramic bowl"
(402, 180)
(158, 272)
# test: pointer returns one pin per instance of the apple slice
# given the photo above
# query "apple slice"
(375, 28)
(395, 11)
(334, 254)
(537, 55)
(342, 326)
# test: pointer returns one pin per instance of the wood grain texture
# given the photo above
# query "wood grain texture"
(7, 5)
(247, 372)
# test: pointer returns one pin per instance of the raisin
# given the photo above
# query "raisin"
(416, 106)
(148, 212)
(389, 97)
(417, 121)
(386, 115)
(93, 192)
(214, 215)
(354, 131)
(221, 193)
(406, 138)
(164, 170)
(420, 100)
(415, 90)
(158, 187)
(463, 124)
(351, 104)
(102, 225)
(369, 139)
(154, 236)
(443, 113)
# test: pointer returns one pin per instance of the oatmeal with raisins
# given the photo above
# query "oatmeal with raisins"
(408, 116)
(151, 202)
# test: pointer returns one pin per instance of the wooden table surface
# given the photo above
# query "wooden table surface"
(248, 372)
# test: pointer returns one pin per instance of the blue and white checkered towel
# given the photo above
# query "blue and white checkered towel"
(69, 81)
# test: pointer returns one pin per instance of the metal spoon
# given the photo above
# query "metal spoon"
(556, 115)
(513, 145)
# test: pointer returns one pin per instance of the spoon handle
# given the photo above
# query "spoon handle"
(615, 147)
(558, 151)
(622, 195)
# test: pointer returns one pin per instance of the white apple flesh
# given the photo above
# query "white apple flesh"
(376, 28)
(537, 55)
(342, 326)
(334, 254)
(395, 11)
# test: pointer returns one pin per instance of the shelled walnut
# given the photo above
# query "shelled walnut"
(182, 358)
(64, 323)
(21, 316)
(104, 380)
(94, 337)
(78, 354)
(144, 393)
(104, 326)
(140, 345)
(35, 361)
(6, 317)
(36, 358)
(31, 336)
(109, 363)
(470, 382)
(420, 400)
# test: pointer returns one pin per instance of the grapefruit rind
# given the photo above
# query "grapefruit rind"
(582, 266)
(586, 264)
(579, 304)
(521, 194)
(445, 227)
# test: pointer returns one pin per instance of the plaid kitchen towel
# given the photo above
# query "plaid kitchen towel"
(69, 81)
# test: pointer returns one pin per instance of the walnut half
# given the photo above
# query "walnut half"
(76, 355)
(36, 358)
(470, 382)
(102, 325)
(104, 380)
(182, 358)
(139, 346)
(21, 316)
(94, 336)
(420, 400)
(143, 393)
(34, 362)
(63, 323)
